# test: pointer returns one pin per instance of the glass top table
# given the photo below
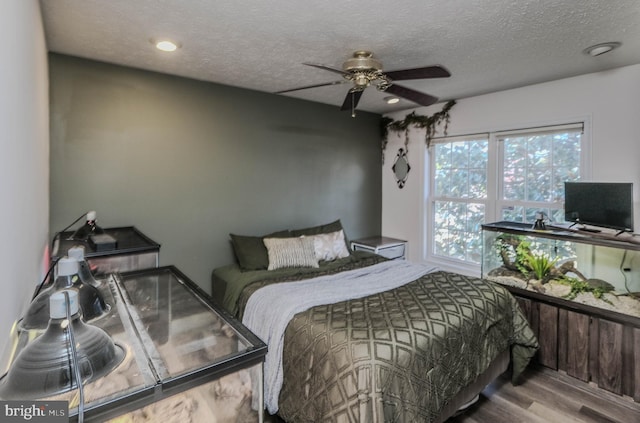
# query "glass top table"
(174, 339)
(128, 240)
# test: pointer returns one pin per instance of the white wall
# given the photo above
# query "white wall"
(24, 162)
(610, 100)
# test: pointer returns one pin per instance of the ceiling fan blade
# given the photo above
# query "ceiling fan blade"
(325, 67)
(419, 73)
(352, 99)
(413, 95)
(325, 84)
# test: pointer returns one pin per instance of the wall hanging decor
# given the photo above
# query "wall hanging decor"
(429, 123)
(401, 167)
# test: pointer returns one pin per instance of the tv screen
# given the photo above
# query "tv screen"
(603, 204)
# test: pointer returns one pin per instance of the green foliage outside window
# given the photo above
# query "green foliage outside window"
(534, 167)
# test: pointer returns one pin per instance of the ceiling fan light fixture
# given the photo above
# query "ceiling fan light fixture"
(391, 99)
(361, 80)
(166, 45)
(602, 48)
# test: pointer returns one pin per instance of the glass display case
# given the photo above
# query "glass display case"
(184, 358)
(600, 269)
(132, 250)
(580, 292)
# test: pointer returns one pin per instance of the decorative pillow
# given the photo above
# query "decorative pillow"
(322, 229)
(251, 252)
(331, 246)
(290, 252)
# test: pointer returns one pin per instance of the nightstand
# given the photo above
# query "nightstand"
(390, 248)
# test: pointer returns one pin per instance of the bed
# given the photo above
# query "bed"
(359, 338)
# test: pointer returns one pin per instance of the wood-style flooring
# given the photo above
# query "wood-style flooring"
(547, 396)
(544, 396)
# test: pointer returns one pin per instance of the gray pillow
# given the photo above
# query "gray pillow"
(328, 228)
(250, 250)
(320, 229)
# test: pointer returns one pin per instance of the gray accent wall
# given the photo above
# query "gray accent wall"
(188, 162)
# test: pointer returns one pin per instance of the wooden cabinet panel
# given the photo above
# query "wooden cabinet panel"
(526, 307)
(562, 339)
(577, 335)
(594, 364)
(610, 356)
(589, 346)
(631, 362)
(548, 335)
(635, 354)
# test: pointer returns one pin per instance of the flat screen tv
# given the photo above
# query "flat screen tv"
(602, 204)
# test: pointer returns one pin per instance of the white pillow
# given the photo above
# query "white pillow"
(290, 252)
(330, 246)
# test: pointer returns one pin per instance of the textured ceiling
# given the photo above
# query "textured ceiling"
(487, 45)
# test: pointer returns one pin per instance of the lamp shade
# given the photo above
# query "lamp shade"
(92, 304)
(45, 366)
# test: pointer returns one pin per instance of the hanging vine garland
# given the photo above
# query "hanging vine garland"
(429, 123)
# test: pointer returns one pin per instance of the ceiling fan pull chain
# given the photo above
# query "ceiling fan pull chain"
(353, 104)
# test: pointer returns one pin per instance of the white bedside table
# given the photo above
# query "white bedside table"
(391, 248)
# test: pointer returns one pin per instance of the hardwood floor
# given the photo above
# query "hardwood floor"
(544, 396)
(547, 396)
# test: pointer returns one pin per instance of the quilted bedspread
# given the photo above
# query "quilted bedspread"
(399, 355)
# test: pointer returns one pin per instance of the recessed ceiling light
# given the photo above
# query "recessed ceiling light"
(166, 45)
(391, 100)
(600, 49)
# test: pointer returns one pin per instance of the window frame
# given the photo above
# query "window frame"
(495, 172)
(499, 137)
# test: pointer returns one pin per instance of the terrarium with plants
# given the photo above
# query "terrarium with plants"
(581, 273)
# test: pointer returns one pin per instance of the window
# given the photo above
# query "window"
(499, 176)
(459, 197)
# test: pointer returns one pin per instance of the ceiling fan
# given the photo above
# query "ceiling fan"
(362, 70)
